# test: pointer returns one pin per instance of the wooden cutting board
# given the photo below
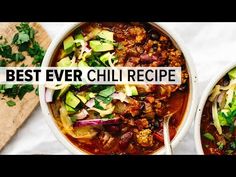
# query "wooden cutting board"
(11, 118)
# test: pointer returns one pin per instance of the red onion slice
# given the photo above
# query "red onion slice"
(94, 122)
(90, 103)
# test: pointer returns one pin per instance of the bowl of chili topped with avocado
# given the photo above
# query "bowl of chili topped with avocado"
(215, 132)
(118, 119)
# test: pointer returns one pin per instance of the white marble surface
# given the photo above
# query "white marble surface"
(211, 45)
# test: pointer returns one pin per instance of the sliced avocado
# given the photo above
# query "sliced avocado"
(63, 91)
(78, 37)
(65, 62)
(134, 90)
(72, 100)
(91, 94)
(105, 57)
(82, 64)
(107, 35)
(98, 46)
(69, 44)
(69, 109)
(131, 90)
(232, 74)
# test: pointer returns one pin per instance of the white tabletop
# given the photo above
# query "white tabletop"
(211, 45)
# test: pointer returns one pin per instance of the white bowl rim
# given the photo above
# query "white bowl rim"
(192, 102)
(197, 123)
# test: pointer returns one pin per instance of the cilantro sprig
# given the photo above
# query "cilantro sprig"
(25, 40)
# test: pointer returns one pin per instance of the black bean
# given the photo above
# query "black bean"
(154, 46)
(226, 81)
(156, 124)
(155, 36)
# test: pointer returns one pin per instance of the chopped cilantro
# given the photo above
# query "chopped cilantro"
(94, 61)
(21, 38)
(17, 57)
(229, 152)
(209, 136)
(233, 145)
(108, 91)
(5, 51)
(120, 46)
(73, 119)
(3, 63)
(11, 103)
(220, 145)
(97, 88)
(109, 116)
(37, 52)
(24, 89)
(2, 88)
(37, 91)
(23, 65)
(97, 105)
(24, 46)
(25, 41)
(12, 92)
(24, 35)
(105, 100)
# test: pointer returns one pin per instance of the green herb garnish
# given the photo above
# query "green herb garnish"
(97, 105)
(209, 136)
(229, 152)
(108, 91)
(25, 34)
(5, 51)
(37, 52)
(25, 89)
(73, 119)
(17, 57)
(97, 88)
(3, 63)
(233, 145)
(11, 103)
(37, 91)
(109, 116)
(12, 92)
(105, 100)
(220, 145)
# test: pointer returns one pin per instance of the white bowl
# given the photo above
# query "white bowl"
(197, 125)
(190, 109)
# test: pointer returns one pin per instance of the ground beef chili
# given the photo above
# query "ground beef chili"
(141, 128)
(214, 143)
